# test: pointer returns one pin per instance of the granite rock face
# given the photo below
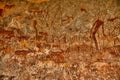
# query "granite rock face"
(59, 40)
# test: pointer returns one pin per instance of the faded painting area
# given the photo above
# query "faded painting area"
(59, 40)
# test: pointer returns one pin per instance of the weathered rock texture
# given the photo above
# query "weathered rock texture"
(59, 40)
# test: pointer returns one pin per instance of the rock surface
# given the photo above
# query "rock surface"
(58, 40)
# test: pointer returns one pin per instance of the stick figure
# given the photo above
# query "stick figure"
(97, 24)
